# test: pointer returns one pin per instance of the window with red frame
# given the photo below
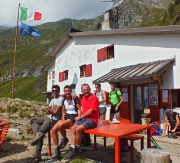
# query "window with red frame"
(86, 70)
(105, 53)
(63, 76)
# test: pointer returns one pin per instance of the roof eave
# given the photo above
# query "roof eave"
(175, 29)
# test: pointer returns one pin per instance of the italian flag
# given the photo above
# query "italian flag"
(27, 14)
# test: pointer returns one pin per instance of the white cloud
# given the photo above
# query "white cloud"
(52, 10)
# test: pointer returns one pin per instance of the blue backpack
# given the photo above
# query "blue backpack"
(158, 131)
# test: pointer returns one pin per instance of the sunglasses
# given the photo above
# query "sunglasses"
(55, 90)
(96, 87)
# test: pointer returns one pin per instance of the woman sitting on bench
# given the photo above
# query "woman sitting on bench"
(71, 110)
(172, 119)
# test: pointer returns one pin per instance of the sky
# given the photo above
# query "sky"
(52, 10)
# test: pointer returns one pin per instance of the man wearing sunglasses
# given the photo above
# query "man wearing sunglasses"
(41, 125)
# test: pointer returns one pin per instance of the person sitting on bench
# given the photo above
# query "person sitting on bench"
(88, 120)
(41, 125)
(71, 111)
(172, 119)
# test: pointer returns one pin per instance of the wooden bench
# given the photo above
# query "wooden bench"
(132, 138)
(3, 133)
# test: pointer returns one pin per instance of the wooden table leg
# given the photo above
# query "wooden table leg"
(49, 144)
(148, 138)
(117, 150)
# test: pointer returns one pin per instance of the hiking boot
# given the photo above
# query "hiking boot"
(35, 159)
(39, 136)
(71, 153)
(174, 136)
(56, 153)
(63, 143)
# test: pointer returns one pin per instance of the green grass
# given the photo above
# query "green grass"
(29, 88)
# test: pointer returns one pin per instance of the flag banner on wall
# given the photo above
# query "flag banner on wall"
(27, 14)
(28, 30)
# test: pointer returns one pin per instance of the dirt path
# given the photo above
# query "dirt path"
(21, 152)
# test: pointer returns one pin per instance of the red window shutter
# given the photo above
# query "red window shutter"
(61, 76)
(89, 70)
(101, 54)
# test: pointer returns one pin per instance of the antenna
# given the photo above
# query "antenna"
(115, 4)
(113, 18)
(107, 0)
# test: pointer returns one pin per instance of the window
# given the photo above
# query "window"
(110, 52)
(83, 71)
(63, 76)
(175, 98)
(105, 53)
(53, 74)
(66, 75)
(86, 70)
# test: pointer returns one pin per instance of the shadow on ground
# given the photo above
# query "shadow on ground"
(11, 148)
(106, 155)
(24, 160)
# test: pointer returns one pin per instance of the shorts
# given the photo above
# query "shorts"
(87, 123)
(113, 111)
(71, 117)
(102, 110)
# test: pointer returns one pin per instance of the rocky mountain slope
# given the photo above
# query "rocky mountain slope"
(33, 53)
(18, 114)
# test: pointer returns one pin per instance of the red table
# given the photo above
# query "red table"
(118, 131)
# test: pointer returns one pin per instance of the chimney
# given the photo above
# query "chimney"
(110, 20)
(106, 25)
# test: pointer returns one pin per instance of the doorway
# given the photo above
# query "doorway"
(141, 102)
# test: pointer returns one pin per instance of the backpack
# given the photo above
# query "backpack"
(110, 93)
(86, 139)
(76, 101)
(156, 131)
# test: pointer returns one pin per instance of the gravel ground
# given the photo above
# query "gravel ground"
(21, 152)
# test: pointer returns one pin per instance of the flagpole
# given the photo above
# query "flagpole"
(15, 49)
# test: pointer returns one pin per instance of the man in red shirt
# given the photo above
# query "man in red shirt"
(88, 120)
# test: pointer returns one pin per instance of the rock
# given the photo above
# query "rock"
(13, 133)
(153, 155)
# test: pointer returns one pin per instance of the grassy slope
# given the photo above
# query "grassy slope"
(33, 53)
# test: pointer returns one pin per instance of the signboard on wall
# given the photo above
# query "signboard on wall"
(164, 95)
(125, 97)
(153, 94)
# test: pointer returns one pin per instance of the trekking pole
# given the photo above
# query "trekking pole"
(155, 143)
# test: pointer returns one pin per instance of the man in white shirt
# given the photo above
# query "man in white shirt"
(41, 125)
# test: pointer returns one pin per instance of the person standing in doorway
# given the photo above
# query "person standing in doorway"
(102, 101)
(116, 100)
